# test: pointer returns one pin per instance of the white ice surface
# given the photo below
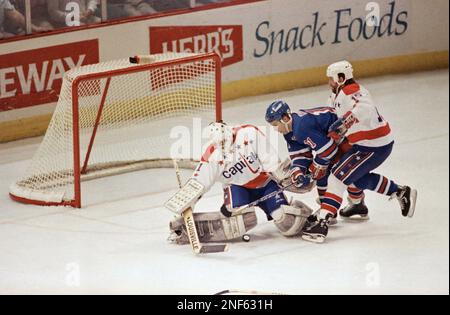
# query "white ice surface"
(117, 243)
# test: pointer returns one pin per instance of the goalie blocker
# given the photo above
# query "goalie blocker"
(186, 197)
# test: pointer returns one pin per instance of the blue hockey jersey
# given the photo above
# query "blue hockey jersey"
(309, 139)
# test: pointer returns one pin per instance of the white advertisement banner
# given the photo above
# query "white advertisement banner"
(253, 39)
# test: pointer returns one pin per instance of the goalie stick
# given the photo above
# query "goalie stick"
(192, 233)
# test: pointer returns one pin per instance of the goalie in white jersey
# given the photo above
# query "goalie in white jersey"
(372, 142)
(249, 169)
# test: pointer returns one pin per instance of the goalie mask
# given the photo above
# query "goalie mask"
(221, 135)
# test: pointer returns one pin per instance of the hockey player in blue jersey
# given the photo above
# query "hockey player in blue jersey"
(311, 150)
(308, 132)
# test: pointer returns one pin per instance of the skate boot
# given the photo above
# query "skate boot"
(178, 234)
(333, 220)
(317, 231)
(355, 211)
(407, 199)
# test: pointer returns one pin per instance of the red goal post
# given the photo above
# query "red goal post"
(115, 117)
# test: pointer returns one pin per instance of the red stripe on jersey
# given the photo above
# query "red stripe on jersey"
(328, 151)
(209, 151)
(351, 89)
(305, 154)
(258, 182)
(369, 134)
(344, 147)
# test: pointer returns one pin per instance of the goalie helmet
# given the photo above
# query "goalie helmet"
(337, 68)
(277, 110)
(221, 135)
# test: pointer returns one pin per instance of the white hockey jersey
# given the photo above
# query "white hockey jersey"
(248, 164)
(369, 128)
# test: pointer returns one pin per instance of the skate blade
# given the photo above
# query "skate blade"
(319, 239)
(412, 208)
(356, 218)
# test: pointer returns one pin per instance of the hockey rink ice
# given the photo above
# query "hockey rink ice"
(118, 242)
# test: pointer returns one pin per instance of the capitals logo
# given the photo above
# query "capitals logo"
(245, 162)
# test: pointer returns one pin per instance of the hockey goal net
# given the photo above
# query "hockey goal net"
(116, 117)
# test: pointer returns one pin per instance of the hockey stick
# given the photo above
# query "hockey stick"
(192, 233)
(246, 292)
(264, 198)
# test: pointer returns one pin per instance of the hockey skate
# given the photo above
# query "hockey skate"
(310, 221)
(317, 231)
(355, 211)
(407, 199)
(333, 220)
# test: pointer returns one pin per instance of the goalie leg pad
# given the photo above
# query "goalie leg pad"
(290, 219)
(214, 227)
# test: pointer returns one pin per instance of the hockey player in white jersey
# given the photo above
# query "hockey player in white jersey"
(371, 139)
(248, 168)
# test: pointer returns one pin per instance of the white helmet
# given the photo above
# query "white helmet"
(343, 67)
(220, 134)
